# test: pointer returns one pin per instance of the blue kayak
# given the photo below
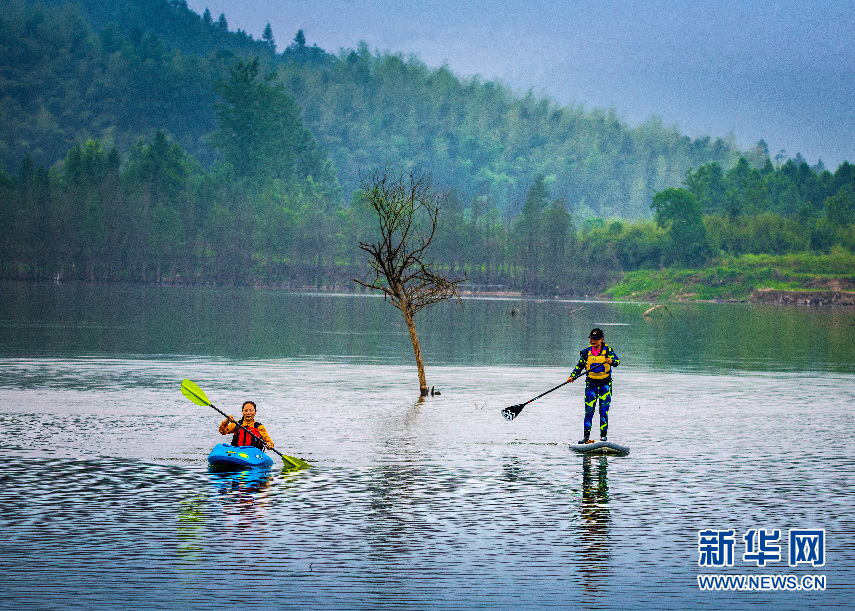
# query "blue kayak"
(225, 456)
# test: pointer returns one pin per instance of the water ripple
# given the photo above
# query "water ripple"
(408, 504)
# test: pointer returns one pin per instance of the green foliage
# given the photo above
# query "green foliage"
(766, 232)
(261, 133)
(152, 65)
(157, 215)
(680, 214)
(638, 245)
(479, 137)
(839, 209)
(267, 36)
(769, 232)
(172, 23)
(62, 84)
(738, 277)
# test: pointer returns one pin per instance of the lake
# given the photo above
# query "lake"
(739, 418)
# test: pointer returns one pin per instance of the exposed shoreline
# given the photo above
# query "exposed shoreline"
(767, 296)
(804, 298)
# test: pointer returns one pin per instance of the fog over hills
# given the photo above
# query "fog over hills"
(781, 71)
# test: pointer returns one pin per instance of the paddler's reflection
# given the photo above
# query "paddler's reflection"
(595, 521)
(240, 492)
(595, 494)
(249, 481)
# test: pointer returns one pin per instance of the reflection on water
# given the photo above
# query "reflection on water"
(522, 525)
(411, 504)
(190, 529)
(595, 523)
(50, 320)
(245, 482)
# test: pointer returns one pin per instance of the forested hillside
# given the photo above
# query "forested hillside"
(163, 147)
(150, 65)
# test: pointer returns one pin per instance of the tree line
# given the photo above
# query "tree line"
(156, 215)
(256, 216)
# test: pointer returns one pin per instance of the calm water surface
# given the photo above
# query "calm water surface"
(738, 417)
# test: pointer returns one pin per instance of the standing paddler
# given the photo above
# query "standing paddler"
(598, 359)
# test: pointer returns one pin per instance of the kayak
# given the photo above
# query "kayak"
(601, 448)
(225, 456)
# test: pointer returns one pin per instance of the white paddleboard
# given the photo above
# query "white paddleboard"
(600, 447)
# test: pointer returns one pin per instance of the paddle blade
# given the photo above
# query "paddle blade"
(194, 393)
(513, 411)
(292, 463)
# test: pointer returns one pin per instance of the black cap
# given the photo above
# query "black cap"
(596, 334)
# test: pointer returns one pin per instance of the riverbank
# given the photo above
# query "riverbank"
(810, 298)
(794, 279)
(799, 279)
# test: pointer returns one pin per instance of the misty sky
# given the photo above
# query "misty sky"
(780, 70)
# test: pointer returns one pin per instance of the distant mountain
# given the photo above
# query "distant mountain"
(120, 70)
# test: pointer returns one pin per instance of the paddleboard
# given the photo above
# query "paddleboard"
(225, 456)
(600, 448)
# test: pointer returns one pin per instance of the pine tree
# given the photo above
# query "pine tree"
(267, 36)
(261, 133)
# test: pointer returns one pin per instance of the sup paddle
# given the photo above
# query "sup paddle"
(190, 390)
(513, 411)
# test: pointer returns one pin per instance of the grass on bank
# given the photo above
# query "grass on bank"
(736, 278)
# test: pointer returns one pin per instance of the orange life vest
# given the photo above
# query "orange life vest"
(242, 438)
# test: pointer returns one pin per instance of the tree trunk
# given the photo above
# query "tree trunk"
(411, 326)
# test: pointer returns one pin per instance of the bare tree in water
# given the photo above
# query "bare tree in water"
(407, 209)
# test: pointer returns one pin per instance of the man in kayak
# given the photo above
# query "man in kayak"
(597, 359)
(241, 437)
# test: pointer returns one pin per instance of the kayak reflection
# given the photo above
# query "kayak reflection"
(249, 480)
